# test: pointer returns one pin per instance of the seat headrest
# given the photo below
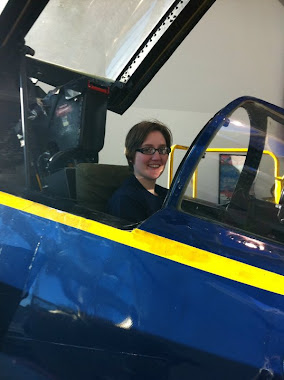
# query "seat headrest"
(95, 183)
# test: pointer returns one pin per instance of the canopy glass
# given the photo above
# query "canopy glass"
(95, 37)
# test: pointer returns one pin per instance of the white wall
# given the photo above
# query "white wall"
(236, 49)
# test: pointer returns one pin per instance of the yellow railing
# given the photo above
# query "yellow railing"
(278, 180)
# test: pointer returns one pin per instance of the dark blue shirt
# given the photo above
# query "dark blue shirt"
(133, 202)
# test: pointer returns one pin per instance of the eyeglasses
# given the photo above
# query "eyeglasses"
(151, 151)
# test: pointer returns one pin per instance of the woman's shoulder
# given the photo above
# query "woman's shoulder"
(129, 185)
(128, 201)
(128, 189)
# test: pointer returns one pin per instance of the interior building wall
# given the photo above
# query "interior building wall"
(236, 49)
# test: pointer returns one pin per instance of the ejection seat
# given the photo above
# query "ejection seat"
(95, 183)
(67, 135)
(67, 127)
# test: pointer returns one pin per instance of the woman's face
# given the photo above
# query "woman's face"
(150, 167)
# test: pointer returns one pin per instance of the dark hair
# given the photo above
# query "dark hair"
(139, 132)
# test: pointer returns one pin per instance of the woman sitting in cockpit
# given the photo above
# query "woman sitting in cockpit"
(147, 147)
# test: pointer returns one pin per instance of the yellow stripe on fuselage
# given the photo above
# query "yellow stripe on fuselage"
(157, 245)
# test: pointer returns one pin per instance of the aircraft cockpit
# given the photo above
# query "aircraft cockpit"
(53, 129)
(55, 94)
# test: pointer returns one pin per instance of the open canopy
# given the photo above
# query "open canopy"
(123, 43)
(97, 38)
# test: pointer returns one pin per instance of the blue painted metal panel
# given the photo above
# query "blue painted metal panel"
(249, 321)
(75, 284)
